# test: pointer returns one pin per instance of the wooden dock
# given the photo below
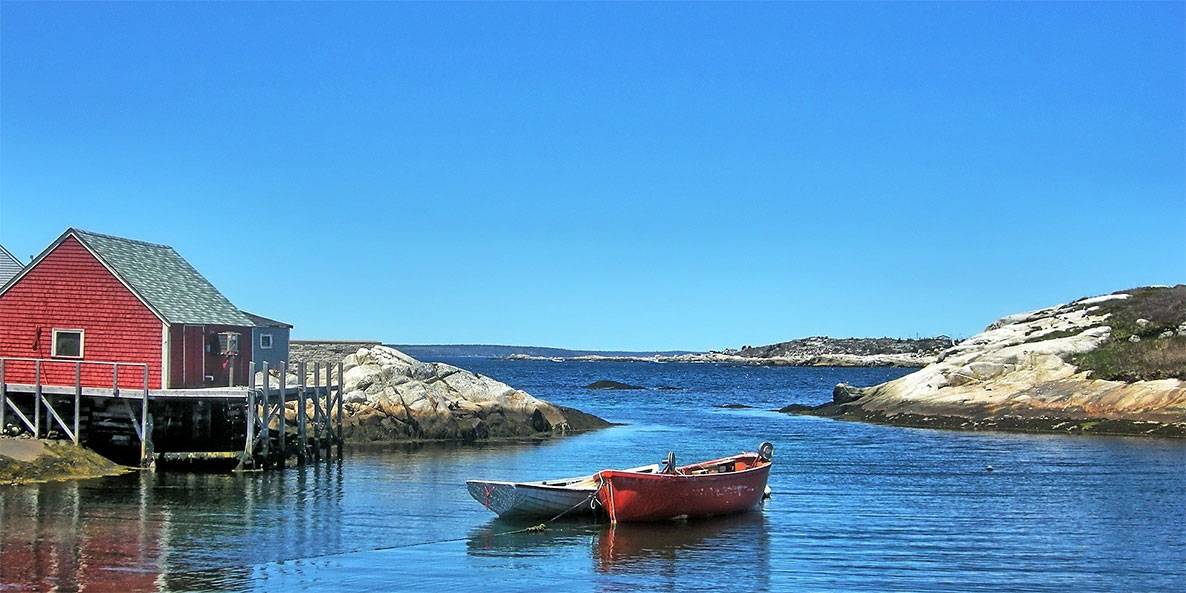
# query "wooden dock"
(265, 425)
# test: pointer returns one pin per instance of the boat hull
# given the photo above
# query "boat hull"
(630, 497)
(509, 499)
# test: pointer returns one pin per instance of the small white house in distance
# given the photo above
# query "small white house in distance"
(9, 266)
(269, 341)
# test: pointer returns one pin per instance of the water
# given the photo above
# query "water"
(856, 507)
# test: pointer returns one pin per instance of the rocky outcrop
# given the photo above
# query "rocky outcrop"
(1074, 367)
(825, 351)
(391, 396)
(326, 350)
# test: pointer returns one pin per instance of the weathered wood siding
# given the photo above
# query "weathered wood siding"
(70, 289)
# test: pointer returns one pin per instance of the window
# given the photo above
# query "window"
(68, 343)
(265, 341)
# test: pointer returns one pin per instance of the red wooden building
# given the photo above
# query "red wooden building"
(93, 297)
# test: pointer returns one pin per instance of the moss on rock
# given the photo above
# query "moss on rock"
(27, 460)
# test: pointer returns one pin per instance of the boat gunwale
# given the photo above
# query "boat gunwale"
(764, 464)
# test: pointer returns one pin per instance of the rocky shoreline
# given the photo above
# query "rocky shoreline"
(1113, 364)
(817, 351)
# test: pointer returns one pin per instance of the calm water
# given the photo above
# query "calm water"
(856, 507)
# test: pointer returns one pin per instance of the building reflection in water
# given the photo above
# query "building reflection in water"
(131, 533)
(46, 544)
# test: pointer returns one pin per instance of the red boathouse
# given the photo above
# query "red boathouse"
(94, 297)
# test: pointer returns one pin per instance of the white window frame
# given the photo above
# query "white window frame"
(53, 346)
(271, 341)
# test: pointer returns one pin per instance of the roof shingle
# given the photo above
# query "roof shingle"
(163, 278)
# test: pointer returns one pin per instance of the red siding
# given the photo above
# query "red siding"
(190, 363)
(70, 289)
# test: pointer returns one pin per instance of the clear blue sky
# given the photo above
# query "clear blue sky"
(610, 175)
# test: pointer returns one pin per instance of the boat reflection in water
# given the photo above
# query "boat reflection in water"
(678, 551)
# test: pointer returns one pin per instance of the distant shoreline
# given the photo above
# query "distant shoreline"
(835, 360)
(816, 351)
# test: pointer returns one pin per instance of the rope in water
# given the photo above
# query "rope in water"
(532, 529)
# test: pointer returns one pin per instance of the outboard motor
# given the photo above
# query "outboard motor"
(669, 463)
(766, 451)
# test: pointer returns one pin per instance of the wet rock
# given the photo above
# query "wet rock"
(607, 384)
(845, 393)
(734, 406)
(796, 409)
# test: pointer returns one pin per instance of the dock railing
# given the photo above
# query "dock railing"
(270, 447)
(42, 400)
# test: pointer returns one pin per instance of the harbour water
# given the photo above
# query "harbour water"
(856, 507)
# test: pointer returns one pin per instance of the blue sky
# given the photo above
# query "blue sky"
(610, 175)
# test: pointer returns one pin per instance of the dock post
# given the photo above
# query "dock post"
(265, 429)
(318, 416)
(341, 405)
(77, 399)
(249, 448)
(283, 411)
(146, 452)
(37, 399)
(3, 399)
(302, 440)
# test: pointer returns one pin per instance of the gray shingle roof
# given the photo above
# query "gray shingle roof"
(164, 280)
(261, 321)
(9, 266)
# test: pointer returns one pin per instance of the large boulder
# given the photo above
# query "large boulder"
(391, 396)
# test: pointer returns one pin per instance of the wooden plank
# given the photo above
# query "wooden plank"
(53, 415)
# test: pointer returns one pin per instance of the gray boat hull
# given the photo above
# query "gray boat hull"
(544, 499)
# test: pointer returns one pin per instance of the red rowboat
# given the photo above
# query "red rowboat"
(718, 487)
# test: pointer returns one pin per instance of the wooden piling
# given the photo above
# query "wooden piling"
(318, 419)
(37, 400)
(283, 406)
(265, 429)
(3, 399)
(146, 452)
(341, 405)
(249, 447)
(302, 437)
(77, 400)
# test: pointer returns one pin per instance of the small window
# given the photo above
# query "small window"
(68, 343)
(265, 341)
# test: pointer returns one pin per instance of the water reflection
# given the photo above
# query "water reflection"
(165, 531)
(738, 545)
(46, 544)
(739, 540)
